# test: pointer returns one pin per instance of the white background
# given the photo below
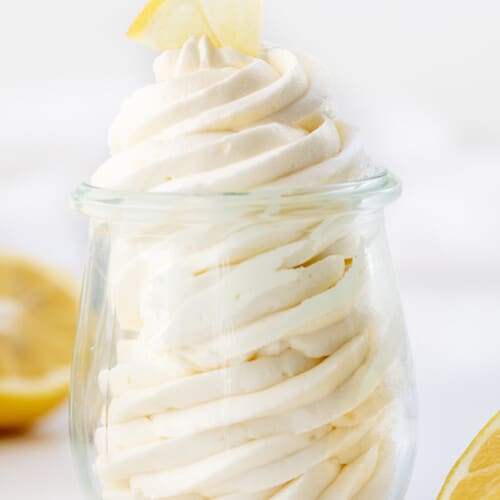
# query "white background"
(422, 82)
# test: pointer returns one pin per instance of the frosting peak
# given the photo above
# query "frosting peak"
(218, 120)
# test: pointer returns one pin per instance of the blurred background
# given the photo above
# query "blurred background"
(420, 79)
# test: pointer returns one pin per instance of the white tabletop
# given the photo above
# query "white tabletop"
(455, 341)
(38, 465)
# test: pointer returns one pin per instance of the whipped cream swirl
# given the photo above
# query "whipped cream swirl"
(248, 364)
(219, 120)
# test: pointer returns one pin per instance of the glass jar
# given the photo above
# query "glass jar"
(242, 346)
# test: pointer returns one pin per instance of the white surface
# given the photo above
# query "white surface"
(418, 78)
(38, 466)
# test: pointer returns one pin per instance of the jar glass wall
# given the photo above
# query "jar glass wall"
(242, 346)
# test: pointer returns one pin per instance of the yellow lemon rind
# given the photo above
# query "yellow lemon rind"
(64, 280)
(142, 21)
(23, 401)
(461, 468)
(165, 25)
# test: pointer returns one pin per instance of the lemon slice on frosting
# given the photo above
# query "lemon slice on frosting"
(476, 475)
(38, 317)
(168, 24)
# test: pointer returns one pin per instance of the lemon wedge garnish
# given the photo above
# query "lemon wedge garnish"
(38, 317)
(476, 475)
(168, 24)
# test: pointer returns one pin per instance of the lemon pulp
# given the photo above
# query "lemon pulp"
(38, 317)
(168, 24)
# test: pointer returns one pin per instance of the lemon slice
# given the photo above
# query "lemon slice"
(168, 24)
(38, 316)
(476, 475)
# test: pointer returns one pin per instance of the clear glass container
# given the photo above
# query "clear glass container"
(242, 346)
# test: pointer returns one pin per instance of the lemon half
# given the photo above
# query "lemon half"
(38, 319)
(476, 475)
(168, 24)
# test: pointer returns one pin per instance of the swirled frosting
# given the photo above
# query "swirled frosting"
(219, 120)
(247, 366)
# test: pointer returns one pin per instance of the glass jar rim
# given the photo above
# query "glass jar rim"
(372, 192)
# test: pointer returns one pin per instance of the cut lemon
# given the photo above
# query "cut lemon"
(38, 316)
(168, 24)
(476, 475)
